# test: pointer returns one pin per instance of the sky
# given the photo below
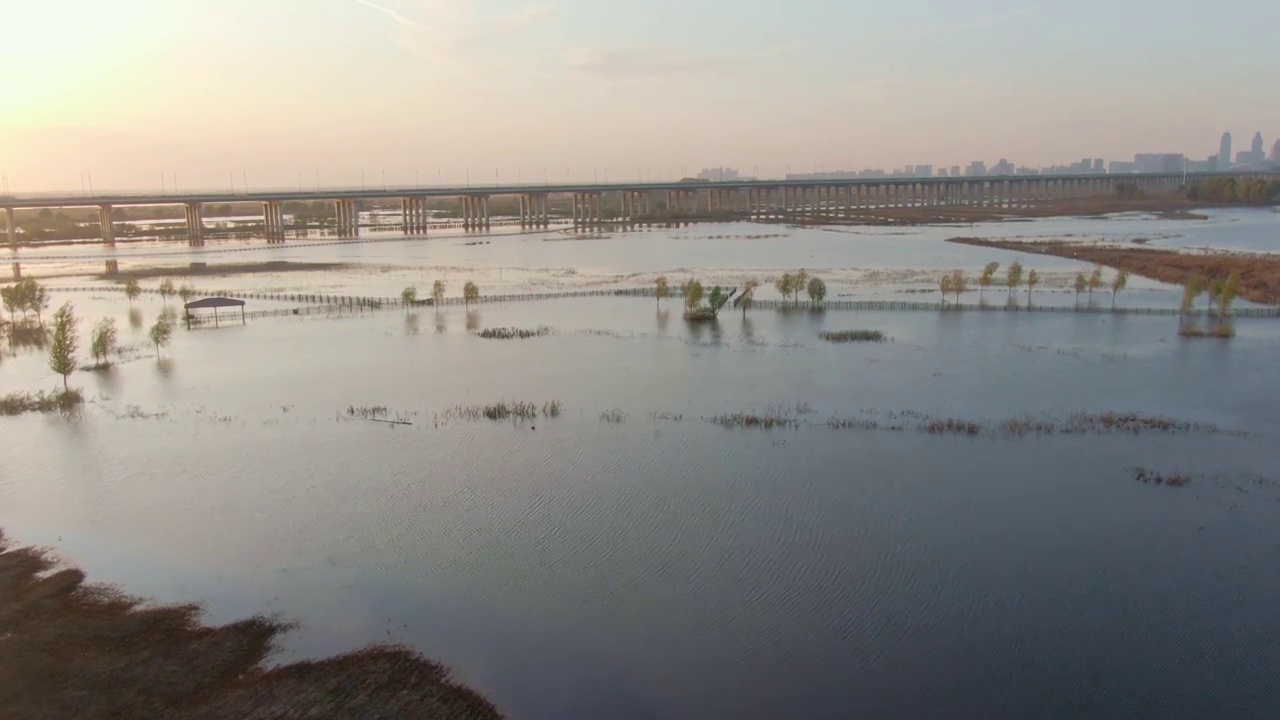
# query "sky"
(133, 94)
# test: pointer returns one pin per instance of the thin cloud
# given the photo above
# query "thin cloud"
(390, 13)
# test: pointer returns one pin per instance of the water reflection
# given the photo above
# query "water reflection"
(135, 318)
(473, 320)
(164, 368)
(411, 324)
(664, 318)
(748, 329)
(441, 325)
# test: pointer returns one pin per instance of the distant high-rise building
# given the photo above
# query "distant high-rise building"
(942, 172)
(1159, 162)
(1004, 167)
(955, 171)
(924, 171)
(719, 174)
(1275, 152)
(1099, 166)
(977, 168)
(1224, 152)
(1258, 154)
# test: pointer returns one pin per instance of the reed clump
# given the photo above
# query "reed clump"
(847, 336)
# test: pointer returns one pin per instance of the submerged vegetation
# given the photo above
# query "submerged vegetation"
(44, 402)
(512, 333)
(846, 336)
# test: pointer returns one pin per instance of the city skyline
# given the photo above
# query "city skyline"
(432, 91)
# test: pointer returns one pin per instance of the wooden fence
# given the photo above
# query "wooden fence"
(367, 303)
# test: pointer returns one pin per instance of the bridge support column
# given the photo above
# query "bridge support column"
(195, 224)
(105, 225)
(12, 226)
(272, 222)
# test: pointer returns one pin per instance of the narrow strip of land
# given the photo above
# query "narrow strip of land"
(70, 650)
(1259, 274)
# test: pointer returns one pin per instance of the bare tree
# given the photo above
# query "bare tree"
(1033, 279)
(437, 293)
(166, 290)
(1118, 283)
(747, 297)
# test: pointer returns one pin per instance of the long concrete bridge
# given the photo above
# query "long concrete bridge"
(595, 205)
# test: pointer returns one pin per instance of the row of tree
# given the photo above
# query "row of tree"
(64, 341)
(26, 296)
(955, 283)
(470, 294)
(1251, 191)
(789, 285)
(1222, 292)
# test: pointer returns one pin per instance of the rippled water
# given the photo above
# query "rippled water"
(672, 568)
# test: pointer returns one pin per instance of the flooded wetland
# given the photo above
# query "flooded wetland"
(588, 507)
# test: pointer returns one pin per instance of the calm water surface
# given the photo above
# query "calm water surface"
(672, 568)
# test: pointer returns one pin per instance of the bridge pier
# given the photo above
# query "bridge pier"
(12, 226)
(195, 224)
(105, 226)
(273, 221)
(413, 215)
(346, 218)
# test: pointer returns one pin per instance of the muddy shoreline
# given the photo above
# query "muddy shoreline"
(69, 649)
(1259, 274)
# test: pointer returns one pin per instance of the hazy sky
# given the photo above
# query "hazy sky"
(270, 89)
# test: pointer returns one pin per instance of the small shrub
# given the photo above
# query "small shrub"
(700, 314)
(614, 416)
(511, 333)
(844, 336)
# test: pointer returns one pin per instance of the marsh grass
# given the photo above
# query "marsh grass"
(767, 421)
(62, 401)
(613, 417)
(846, 336)
(512, 333)
(81, 650)
(1079, 424)
(515, 410)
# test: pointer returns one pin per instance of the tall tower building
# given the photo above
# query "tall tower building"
(1258, 154)
(1224, 152)
(1275, 152)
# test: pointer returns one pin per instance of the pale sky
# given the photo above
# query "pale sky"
(223, 91)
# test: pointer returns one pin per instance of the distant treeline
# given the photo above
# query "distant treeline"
(1253, 191)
